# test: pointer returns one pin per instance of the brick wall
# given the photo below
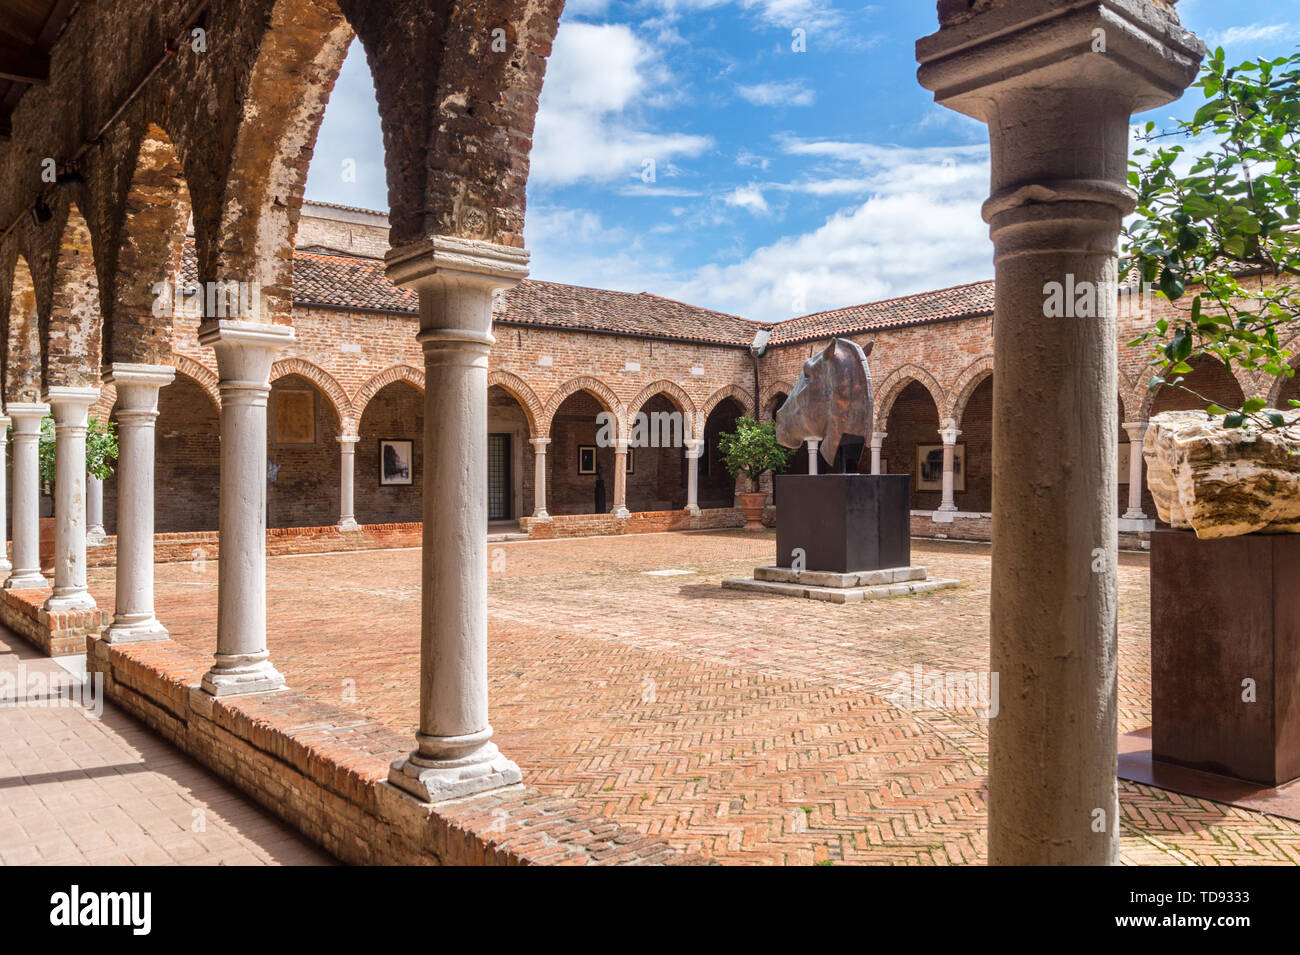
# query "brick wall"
(305, 492)
(396, 412)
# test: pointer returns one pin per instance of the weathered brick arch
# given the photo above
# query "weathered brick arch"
(325, 383)
(458, 130)
(412, 376)
(156, 211)
(742, 397)
(772, 392)
(674, 392)
(298, 61)
(103, 406)
(593, 386)
(22, 378)
(893, 386)
(199, 374)
(71, 349)
(971, 377)
(518, 389)
(1279, 384)
(1149, 399)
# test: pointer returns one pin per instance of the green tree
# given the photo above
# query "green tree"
(752, 449)
(101, 449)
(1219, 215)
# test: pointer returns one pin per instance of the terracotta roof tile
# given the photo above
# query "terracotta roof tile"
(940, 305)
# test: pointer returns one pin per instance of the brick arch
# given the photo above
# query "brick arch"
(298, 61)
(1197, 362)
(412, 376)
(971, 378)
(156, 212)
(71, 333)
(22, 371)
(199, 374)
(103, 406)
(593, 386)
(893, 386)
(675, 393)
(518, 389)
(324, 383)
(770, 394)
(457, 131)
(1280, 384)
(743, 397)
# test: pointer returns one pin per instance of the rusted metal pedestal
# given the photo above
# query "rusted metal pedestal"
(1225, 654)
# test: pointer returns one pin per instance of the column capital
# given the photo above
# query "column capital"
(1135, 49)
(878, 438)
(126, 373)
(694, 447)
(441, 258)
(1136, 430)
(950, 434)
(27, 416)
(621, 445)
(68, 401)
(348, 440)
(245, 353)
(539, 444)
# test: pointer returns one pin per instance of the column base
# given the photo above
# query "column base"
(693, 510)
(541, 515)
(436, 780)
(96, 536)
(348, 525)
(75, 600)
(622, 513)
(1135, 514)
(26, 580)
(239, 675)
(129, 630)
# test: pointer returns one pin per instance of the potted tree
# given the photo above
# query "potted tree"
(752, 450)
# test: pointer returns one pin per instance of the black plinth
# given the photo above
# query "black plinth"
(844, 523)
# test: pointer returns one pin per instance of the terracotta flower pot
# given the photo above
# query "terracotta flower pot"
(752, 504)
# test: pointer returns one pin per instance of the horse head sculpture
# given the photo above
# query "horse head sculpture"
(831, 399)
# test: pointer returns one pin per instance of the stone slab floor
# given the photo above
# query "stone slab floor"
(750, 728)
(81, 789)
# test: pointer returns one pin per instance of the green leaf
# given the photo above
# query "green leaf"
(1253, 404)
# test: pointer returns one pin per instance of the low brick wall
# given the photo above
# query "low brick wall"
(205, 545)
(54, 634)
(323, 769)
(639, 522)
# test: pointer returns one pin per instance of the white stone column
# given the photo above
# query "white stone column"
(813, 456)
(539, 478)
(95, 533)
(620, 479)
(877, 442)
(26, 571)
(1057, 84)
(949, 435)
(245, 352)
(5, 566)
(455, 280)
(1137, 432)
(347, 482)
(137, 386)
(694, 448)
(71, 410)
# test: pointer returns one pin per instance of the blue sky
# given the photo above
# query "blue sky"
(684, 148)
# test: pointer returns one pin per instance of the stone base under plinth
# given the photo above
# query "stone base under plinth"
(432, 780)
(236, 676)
(840, 588)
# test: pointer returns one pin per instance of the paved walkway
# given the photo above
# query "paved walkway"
(755, 729)
(78, 788)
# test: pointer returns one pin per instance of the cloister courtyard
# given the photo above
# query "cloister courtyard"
(738, 727)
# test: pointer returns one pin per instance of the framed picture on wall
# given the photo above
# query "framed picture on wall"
(1125, 460)
(884, 464)
(631, 460)
(586, 459)
(929, 467)
(294, 417)
(396, 461)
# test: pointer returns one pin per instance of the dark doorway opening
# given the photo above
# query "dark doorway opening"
(499, 482)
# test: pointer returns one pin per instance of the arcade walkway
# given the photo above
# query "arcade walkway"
(753, 729)
(77, 789)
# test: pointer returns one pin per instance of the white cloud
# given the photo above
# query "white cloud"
(920, 228)
(601, 79)
(777, 94)
(1252, 33)
(747, 197)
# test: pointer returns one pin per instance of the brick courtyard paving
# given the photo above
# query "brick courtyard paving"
(103, 790)
(753, 729)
